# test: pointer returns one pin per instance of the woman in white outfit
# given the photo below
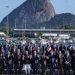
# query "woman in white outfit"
(27, 64)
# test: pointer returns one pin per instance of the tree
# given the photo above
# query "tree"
(67, 27)
(40, 33)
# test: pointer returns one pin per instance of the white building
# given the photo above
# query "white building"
(64, 36)
(49, 34)
(2, 34)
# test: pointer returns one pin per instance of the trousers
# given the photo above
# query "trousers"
(27, 68)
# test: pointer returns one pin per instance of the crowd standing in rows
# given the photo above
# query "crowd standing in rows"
(32, 58)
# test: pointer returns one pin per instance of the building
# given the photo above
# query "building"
(2, 34)
(23, 32)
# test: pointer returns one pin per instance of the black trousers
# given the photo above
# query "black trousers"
(43, 66)
(67, 69)
(73, 68)
(35, 68)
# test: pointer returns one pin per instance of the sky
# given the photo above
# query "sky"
(61, 6)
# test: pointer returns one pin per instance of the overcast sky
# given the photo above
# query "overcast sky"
(61, 6)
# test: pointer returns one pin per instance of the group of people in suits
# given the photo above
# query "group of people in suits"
(36, 58)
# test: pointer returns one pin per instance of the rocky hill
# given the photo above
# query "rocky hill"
(31, 12)
(63, 21)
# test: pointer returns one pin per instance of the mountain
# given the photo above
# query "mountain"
(31, 12)
(64, 20)
(37, 14)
